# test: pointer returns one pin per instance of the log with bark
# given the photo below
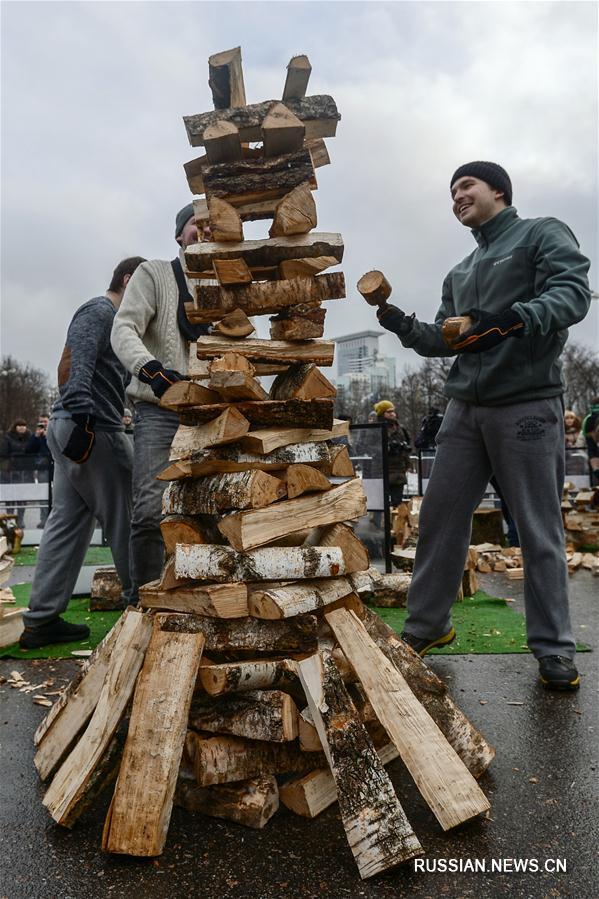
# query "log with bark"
(256, 714)
(229, 427)
(181, 529)
(186, 393)
(217, 493)
(234, 324)
(355, 554)
(223, 759)
(270, 563)
(250, 634)
(316, 454)
(200, 256)
(236, 385)
(298, 75)
(246, 530)
(250, 802)
(257, 180)
(269, 439)
(317, 413)
(298, 327)
(318, 113)
(222, 143)
(341, 466)
(320, 352)
(302, 382)
(273, 601)
(250, 674)
(378, 832)
(265, 297)
(106, 592)
(225, 77)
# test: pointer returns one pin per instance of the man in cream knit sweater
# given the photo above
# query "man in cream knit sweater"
(150, 336)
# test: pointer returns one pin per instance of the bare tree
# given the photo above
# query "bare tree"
(25, 392)
(581, 373)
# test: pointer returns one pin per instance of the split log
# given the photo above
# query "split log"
(180, 529)
(251, 802)
(218, 760)
(302, 382)
(106, 592)
(11, 626)
(230, 271)
(311, 794)
(470, 582)
(304, 479)
(307, 734)
(355, 554)
(441, 777)
(214, 494)
(270, 439)
(57, 733)
(375, 288)
(212, 600)
(71, 781)
(168, 579)
(234, 324)
(378, 832)
(304, 268)
(103, 776)
(251, 674)
(430, 690)
(246, 530)
(225, 221)
(222, 143)
(341, 466)
(140, 811)
(320, 352)
(225, 78)
(265, 297)
(267, 413)
(282, 132)
(256, 714)
(251, 634)
(249, 211)
(295, 213)
(186, 393)
(273, 601)
(298, 327)
(318, 113)
(227, 428)
(200, 256)
(271, 563)
(230, 361)
(316, 454)
(237, 385)
(298, 75)
(256, 180)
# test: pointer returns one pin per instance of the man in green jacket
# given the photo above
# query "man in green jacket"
(523, 286)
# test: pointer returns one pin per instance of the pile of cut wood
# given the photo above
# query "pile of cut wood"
(254, 673)
(11, 620)
(580, 511)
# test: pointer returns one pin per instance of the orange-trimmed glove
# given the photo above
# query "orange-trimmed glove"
(82, 439)
(488, 331)
(158, 377)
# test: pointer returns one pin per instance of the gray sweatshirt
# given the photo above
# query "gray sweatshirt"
(91, 380)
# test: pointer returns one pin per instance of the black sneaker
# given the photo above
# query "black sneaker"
(422, 645)
(55, 631)
(558, 673)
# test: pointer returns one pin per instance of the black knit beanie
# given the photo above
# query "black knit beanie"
(182, 218)
(489, 172)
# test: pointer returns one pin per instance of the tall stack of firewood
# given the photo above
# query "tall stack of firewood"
(253, 672)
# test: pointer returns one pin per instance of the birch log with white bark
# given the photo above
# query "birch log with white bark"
(271, 563)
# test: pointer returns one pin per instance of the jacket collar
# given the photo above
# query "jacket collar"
(487, 233)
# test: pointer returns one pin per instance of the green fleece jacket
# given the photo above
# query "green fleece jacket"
(533, 266)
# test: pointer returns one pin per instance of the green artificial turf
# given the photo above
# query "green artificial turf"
(96, 555)
(484, 625)
(77, 612)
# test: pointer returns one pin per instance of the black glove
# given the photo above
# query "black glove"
(393, 319)
(82, 439)
(159, 378)
(488, 331)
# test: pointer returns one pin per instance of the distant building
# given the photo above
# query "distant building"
(358, 360)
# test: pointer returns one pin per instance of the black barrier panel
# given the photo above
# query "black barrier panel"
(368, 452)
(26, 488)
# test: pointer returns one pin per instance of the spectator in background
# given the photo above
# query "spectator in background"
(429, 427)
(14, 463)
(590, 431)
(37, 445)
(572, 428)
(128, 422)
(398, 450)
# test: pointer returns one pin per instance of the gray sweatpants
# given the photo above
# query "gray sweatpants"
(523, 446)
(98, 489)
(154, 432)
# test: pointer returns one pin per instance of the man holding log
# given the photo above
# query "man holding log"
(150, 336)
(520, 290)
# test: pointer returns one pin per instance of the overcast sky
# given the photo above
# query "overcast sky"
(93, 142)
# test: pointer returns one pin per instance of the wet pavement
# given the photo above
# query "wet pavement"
(542, 786)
